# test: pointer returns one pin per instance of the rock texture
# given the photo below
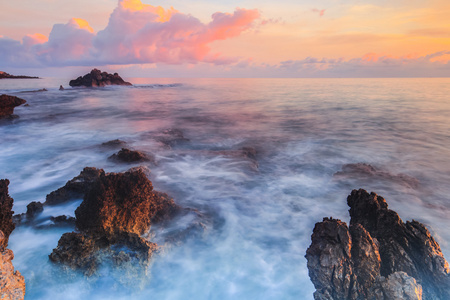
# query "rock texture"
(130, 156)
(114, 213)
(6, 213)
(8, 103)
(12, 284)
(97, 78)
(75, 188)
(377, 257)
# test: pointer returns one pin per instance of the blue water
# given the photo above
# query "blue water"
(261, 212)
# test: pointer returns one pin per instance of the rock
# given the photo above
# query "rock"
(171, 138)
(114, 213)
(34, 208)
(397, 286)
(366, 172)
(63, 220)
(96, 78)
(6, 213)
(4, 75)
(12, 283)
(123, 202)
(379, 257)
(130, 156)
(8, 103)
(86, 252)
(61, 88)
(75, 188)
(114, 144)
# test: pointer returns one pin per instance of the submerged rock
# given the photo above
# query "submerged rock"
(114, 144)
(364, 171)
(130, 156)
(12, 284)
(97, 78)
(378, 257)
(75, 188)
(114, 213)
(8, 103)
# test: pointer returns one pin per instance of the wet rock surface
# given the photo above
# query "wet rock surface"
(7, 105)
(377, 257)
(12, 283)
(117, 210)
(130, 156)
(366, 172)
(6, 213)
(74, 188)
(97, 78)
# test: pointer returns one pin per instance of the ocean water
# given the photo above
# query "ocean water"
(261, 208)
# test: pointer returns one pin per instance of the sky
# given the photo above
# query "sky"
(210, 38)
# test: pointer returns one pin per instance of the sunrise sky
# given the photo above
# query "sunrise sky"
(209, 38)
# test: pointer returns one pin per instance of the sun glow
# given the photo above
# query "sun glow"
(137, 5)
(82, 24)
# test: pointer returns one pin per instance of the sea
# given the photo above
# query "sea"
(262, 160)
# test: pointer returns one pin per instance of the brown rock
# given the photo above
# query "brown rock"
(130, 156)
(34, 208)
(388, 258)
(6, 213)
(75, 188)
(8, 103)
(123, 202)
(12, 283)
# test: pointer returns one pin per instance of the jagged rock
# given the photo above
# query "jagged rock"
(8, 103)
(12, 283)
(379, 257)
(97, 78)
(6, 213)
(86, 251)
(75, 188)
(129, 156)
(114, 213)
(123, 202)
(34, 208)
(367, 172)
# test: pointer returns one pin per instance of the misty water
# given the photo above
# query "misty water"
(260, 210)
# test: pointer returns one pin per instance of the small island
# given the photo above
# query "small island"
(4, 75)
(97, 78)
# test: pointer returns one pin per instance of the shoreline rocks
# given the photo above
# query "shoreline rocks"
(12, 283)
(129, 156)
(7, 105)
(377, 257)
(115, 212)
(97, 78)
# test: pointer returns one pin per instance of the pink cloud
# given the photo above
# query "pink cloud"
(321, 12)
(136, 33)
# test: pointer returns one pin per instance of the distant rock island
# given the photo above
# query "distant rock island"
(97, 78)
(4, 75)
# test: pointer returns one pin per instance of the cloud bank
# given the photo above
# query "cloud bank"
(137, 33)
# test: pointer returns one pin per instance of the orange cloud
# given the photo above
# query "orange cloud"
(82, 24)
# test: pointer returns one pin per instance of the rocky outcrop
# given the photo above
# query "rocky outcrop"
(377, 257)
(12, 284)
(4, 75)
(113, 144)
(34, 208)
(6, 213)
(97, 78)
(118, 208)
(75, 188)
(129, 156)
(7, 105)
